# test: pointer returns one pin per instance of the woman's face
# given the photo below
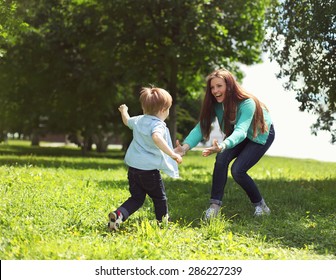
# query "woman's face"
(218, 89)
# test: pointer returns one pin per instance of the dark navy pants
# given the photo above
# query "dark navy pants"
(142, 183)
(247, 154)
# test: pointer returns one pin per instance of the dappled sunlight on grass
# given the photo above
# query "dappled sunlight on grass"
(55, 206)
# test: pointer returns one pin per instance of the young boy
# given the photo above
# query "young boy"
(151, 150)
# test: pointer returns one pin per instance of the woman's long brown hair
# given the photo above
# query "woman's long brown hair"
(233, 96)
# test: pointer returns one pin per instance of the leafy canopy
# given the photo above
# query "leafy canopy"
(80, 59)
(302, 39)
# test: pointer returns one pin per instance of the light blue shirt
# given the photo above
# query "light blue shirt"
(142, 152)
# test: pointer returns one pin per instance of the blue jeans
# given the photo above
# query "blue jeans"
(247, 154)
(141, 183)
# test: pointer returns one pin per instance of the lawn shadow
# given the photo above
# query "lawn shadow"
(64, 151)
(187, 200)
(303, 214)
(59, 157)
(303, 211)
(60, 162)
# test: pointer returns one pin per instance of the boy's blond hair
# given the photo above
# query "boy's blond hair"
(154, 99)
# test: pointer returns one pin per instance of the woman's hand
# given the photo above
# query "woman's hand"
(181, 150)
(215, 148)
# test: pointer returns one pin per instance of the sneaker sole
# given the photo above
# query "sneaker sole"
(213, 214)
(112, 225)
(263, 213)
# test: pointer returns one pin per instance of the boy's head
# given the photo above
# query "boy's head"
(153, 100)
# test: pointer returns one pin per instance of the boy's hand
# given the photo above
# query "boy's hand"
(123, 108)
(124, 113)
(177, 158)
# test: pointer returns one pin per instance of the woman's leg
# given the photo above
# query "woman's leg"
(220, 172)
(247, 158)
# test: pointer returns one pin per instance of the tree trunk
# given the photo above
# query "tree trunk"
(86, 144)
(172, 89)
(101, 142)
(35, 139)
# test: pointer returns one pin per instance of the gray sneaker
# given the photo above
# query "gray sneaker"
(212, 211)
(115, 219)
(262, 210)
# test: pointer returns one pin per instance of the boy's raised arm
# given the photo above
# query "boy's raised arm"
(124, 113)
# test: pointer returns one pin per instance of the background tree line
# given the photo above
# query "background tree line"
(66, 65)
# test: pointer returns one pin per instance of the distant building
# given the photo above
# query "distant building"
(216, 133)
(55, 138)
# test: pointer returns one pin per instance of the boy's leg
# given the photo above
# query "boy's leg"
(138, 194)
(154, 186)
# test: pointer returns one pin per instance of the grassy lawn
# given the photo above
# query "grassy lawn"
(54, 205)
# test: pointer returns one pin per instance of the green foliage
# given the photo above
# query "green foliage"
(61, 70)
(175, 41)
(80, 59)
(54, 205)
(302, 41)
(10, 25)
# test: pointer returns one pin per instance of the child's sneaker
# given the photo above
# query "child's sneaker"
(212, 211)
(115, 219)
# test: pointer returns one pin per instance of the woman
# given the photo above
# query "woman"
(248, 131)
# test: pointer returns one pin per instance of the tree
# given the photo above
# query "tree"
(81, 58)
(62, 70)
(9, 24)
(10, 28)
(173, 43)
(302, 40)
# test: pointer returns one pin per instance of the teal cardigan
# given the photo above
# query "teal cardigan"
(242, 129)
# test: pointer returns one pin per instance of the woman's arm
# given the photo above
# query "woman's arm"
(194, 137)
(244, 121)
(181, 149)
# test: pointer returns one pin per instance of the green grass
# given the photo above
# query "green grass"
(54, 205)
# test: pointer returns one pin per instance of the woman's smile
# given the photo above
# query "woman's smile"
(218, 89)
